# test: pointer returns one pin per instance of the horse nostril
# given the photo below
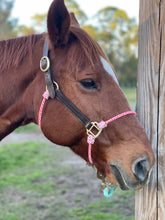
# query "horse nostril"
(141, 169)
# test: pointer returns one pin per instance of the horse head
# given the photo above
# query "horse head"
(122, 152)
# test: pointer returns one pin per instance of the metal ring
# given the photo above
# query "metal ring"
(56, 84)
(44, 69)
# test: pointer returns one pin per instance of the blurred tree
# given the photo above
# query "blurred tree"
(39, 20)
(91, 30)
(118, 36)
(74, 7)
(113, 29)
(116, 26)
(128, 74)
(23, 30)
(38, 25)
(6, 23)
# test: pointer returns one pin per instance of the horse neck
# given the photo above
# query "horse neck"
(18, 67)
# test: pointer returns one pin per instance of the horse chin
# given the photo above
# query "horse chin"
(125, 182)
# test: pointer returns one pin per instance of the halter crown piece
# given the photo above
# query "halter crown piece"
(93, 129)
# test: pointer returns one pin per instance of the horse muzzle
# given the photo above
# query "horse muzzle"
(138, 177)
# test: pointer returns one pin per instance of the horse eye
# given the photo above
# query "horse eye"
(88, 84)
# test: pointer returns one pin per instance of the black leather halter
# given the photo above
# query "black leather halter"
(55, 92)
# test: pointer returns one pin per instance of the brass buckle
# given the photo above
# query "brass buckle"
(94, 130)
(44, 64)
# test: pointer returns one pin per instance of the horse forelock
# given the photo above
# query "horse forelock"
(90, 51)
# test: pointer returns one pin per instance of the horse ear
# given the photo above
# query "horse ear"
(74, 21)
(58, 23)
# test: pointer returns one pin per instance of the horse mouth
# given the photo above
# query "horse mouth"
(124, 180)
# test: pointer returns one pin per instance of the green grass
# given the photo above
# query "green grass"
(21, 212)
(25, 164)
(130, 94)
(30, 188)
(27, 128)
(104, 209)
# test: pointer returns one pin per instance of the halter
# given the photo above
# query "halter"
(93, 129)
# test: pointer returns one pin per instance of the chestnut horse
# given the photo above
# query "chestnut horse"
(121, 153)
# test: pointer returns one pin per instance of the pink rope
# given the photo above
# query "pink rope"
(103, 124)
(45, 97)
(90, 153)
(90, 141)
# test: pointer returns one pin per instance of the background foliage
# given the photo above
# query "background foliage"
(114, 30)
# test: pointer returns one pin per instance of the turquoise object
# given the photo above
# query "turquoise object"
(108, 191)
(135, 106)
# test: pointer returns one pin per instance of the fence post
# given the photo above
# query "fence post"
(150, 201)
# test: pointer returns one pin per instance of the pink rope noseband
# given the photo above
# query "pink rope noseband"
(90, 138)
(101, 125)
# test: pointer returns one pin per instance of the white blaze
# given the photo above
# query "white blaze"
(109, 69)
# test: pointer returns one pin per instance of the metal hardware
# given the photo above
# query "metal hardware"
(56, 84)
(105, 185)
(44, 64)
(94, 130)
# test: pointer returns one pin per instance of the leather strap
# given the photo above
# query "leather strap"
(45, 67)
(55, 92)
(73, 109)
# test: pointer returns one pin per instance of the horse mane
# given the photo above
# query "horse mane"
(16, 49)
